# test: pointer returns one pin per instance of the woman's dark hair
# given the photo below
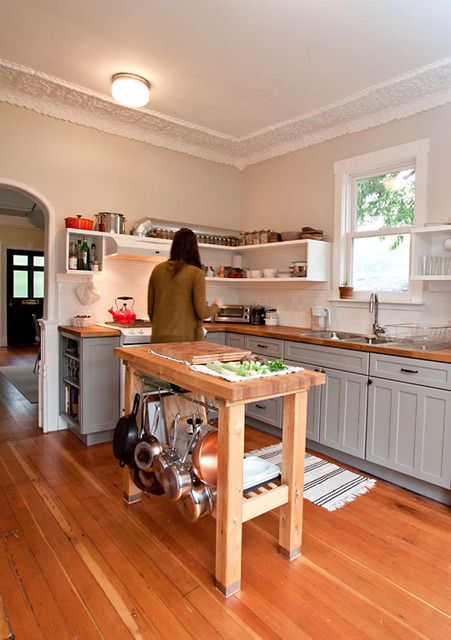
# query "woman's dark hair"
(184, 249)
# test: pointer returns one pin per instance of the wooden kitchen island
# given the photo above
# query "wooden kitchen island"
(232, 510)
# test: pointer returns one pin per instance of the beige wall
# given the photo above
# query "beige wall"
(297, 189)
(81, 170)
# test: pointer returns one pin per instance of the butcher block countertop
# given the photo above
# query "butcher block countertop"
(281, 332)
(294, 333)
(244, 391)
(93, 331)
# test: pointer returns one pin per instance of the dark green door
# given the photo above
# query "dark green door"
(25, 294)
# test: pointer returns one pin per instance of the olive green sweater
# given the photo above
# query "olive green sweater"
(176, 303)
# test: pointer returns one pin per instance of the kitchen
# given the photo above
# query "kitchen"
(292, 188)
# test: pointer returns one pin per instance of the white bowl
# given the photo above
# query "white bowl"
(253, 273)
(269, 273)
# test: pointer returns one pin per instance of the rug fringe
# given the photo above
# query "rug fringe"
(343, 501)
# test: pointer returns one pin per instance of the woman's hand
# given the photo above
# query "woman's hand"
(219, 302)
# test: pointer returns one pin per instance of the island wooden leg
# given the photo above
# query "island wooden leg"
(133, 385)
(229, 503)
(293, 461)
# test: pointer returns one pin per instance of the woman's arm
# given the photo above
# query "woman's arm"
(202, 309)
(150, 298)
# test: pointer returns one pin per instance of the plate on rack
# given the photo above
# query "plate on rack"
(257, 471)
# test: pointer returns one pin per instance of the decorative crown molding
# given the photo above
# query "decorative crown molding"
(405, 95)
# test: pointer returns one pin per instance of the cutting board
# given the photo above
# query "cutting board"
(199, 352)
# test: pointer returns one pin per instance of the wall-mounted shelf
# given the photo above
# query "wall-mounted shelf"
(430, 261)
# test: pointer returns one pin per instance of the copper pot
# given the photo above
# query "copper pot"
(205, 459)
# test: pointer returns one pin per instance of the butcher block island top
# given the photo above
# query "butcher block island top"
(232, 509)
(144, 359)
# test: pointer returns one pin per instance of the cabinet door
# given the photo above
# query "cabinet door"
(99, 385)
(268, 411)
(313, 404)
(219, 337)
(409, 430)
(343, 412)
(235, 340)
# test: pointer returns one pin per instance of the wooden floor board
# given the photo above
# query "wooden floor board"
(76, 562)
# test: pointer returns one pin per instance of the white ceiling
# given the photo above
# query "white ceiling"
(227, 68)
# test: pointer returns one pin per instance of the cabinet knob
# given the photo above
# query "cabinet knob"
(370, 381)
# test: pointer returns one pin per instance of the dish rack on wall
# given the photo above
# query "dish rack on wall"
(419, 335)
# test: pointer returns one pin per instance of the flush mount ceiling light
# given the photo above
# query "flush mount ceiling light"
(130, 90)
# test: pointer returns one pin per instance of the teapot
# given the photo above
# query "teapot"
(123, 315)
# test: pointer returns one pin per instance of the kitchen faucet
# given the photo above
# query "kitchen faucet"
(374, 309)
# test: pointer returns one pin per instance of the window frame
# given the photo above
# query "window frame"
(346, 171)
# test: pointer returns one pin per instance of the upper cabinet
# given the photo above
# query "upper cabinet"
(95, 243)
(431, 253)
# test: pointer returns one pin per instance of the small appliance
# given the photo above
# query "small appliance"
(233, 313)
(319, 318)
(257, 314)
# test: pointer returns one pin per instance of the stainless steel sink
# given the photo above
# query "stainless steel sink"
(333, 335)
(345, 336)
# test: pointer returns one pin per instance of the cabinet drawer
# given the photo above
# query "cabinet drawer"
(269, 411)
(423, 372)
(317, 356)
(265, 346)
(235, 340)
(216, 336)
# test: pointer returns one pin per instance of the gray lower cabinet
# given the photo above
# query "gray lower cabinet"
(266, 411)
(90, 386)
(236, 340)
(219, 337)
(336, 411)
(409, 425)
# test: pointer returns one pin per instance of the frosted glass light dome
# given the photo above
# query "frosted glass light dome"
(130, 90)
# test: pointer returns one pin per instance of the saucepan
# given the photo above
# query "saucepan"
(177, 480)
(198, 503)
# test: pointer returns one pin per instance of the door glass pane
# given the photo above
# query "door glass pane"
(20, 284)
(381, 263)
(38, 261)
(38, 284)
(20, 260)
(385, 201)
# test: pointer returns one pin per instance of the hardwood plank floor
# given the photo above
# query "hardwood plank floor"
(77, 562)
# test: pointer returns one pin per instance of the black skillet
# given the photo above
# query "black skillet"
(126, 436)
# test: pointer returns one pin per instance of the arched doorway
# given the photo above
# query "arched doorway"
(34, 204)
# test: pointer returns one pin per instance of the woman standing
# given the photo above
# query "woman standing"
(176, 296)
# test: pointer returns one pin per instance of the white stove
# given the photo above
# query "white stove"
(139, 332)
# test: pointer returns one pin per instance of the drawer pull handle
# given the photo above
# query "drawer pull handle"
(260, 406)
(262, 346)
(408, 370)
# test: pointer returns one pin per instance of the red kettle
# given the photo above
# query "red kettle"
(123, 315)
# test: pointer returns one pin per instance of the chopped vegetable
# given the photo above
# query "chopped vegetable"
(248, 368)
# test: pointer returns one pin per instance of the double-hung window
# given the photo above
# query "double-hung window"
(380, 196)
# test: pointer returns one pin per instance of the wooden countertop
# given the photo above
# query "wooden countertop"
(93, 331)
(180, 374)
(282, 332)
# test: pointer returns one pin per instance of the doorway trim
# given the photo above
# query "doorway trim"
(50, 302)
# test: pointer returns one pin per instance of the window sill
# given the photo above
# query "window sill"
(355, 302)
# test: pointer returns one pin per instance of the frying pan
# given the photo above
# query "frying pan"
(205, 459)
(126, 436)
(148, 447)
(146, 481)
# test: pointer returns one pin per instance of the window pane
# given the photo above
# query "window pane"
(20, 284)
(381, 263)
(20, 260)
(38, 284)
(38, 261)
(385, 201)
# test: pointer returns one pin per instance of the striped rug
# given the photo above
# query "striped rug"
(326, 484)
